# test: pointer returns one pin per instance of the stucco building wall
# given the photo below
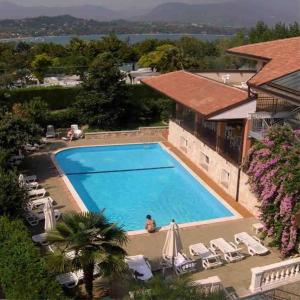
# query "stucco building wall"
(218, 168)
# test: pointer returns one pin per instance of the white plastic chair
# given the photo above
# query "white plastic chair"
(50, 133)
(183, 264)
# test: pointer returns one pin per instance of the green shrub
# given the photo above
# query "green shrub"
(55, 97)
(143, 105)
(22, 270)
(63, 118)
(12, 197)
(36, 111)
(16, 131)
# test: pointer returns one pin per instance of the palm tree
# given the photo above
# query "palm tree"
(92, 240)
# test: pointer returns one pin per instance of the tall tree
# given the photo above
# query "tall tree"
(105, 94)
(40, 66)
(165, 58)
(93, 240)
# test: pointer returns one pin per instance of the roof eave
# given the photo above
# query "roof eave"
(215, 113)
(246, 55)
(247, 99)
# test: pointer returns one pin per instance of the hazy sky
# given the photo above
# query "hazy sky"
(115, 4)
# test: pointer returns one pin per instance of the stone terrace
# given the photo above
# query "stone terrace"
(236, 277)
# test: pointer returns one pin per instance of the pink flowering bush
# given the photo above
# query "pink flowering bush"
(273, 167)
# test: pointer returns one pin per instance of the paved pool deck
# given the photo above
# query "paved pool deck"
(236, 276)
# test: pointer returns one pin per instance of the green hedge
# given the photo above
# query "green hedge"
(55, 97)
(61, 97)
(22, 270)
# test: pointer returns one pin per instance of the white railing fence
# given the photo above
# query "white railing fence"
(275, 275)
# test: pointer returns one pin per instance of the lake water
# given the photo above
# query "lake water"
(132, 38)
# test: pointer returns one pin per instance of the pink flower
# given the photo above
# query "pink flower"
(269, 143)
(286, 205)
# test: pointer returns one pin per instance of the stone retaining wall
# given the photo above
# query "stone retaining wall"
(246, 197)
(141, 132)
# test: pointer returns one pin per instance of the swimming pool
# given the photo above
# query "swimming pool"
(133, 180)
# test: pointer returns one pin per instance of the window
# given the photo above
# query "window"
(225, 177)
(183, 144)
(204, 161)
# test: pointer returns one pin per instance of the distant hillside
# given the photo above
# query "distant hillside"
(235, 13)
(216, 12)
(68, 25)
(10, 10)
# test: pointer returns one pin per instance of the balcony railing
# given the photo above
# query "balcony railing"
(269, 104)
(207, 135)
(275, 275)
(230, 148)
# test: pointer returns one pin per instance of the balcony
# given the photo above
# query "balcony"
(208, 135)
(262, 121)
(231, 149)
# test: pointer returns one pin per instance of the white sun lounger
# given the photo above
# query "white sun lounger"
(39, 202)
(80, 274)
(40, 238)
(139, 266)
(34, 217)
(77, 132)
(28, 179)
(20, 156)
(35, 194)
(28, 185)
(71, 279)
(208, 256)
(253, 244)
(68, 280)
(229, 249)
(30, 148)
(69, 254)
(16, 160)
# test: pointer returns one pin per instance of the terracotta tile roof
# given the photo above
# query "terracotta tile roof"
(201, 94)
(282, 57)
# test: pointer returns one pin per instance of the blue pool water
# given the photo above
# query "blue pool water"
(131, 181)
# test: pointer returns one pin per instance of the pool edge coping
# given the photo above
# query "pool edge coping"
(83, 208)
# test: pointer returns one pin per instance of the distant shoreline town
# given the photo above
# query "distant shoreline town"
(68, 25)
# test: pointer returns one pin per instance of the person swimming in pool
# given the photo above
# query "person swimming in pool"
(150, 225)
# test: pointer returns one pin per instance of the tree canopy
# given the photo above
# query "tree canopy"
(95, 242)
(104, 97)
